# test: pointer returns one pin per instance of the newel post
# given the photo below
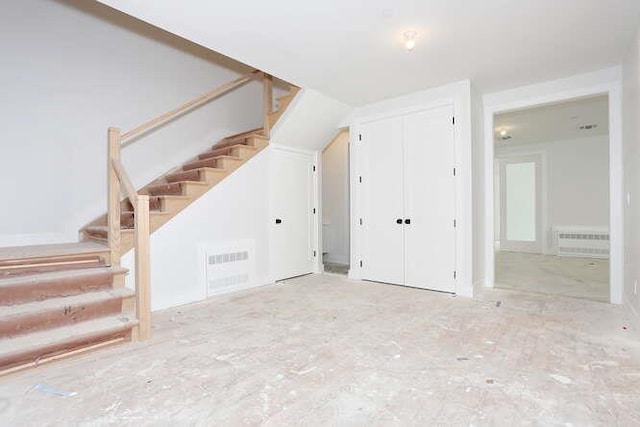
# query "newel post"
(113, 209)
(268, 102)
(143, 279)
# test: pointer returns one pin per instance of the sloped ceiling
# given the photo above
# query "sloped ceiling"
(352, 49)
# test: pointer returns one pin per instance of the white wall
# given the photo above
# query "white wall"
(310, 122)
(70, 70)
(606, 81)
(577, 176)
(631, 146)
(459, 95)
(335, 199)
(237, 208)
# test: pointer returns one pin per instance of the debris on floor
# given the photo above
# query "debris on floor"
(54, 391)
(462, 358)
(498, 303)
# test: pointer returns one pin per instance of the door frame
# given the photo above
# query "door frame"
(317, 202)
(541, 201)
(552, 93)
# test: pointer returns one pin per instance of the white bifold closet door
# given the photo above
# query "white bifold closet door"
(383, 240)
(409, 200)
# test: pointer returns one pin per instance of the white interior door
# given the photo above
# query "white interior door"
(292, 196)
(382, 184)
(429, 199)
(521, 204)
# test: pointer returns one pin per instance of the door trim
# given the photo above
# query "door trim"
(549, 93)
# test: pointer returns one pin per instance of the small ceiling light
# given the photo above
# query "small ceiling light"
(410, 39)
(503, 132)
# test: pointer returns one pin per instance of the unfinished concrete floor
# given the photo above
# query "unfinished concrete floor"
(321, 350)
(549, 274)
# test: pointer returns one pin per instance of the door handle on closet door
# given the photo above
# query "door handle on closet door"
(399, 221)
(278, 221)
(407, 221)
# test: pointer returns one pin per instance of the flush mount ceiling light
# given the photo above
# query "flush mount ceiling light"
(410, 39)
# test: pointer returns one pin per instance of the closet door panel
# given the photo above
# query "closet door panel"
(429, 199)
(382, 182)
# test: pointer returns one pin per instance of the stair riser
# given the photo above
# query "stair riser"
(243, 152)
(35, 269)
(61, 316)
(229, 164)
(62, 287)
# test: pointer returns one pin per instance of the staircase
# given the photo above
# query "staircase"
(64, 299)
(177, 189)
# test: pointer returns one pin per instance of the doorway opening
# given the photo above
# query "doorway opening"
(551, 199)
(335, 205)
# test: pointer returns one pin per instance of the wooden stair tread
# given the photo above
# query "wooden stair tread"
(14, 348)
(13, 253)
(35, 307)
(79, 274)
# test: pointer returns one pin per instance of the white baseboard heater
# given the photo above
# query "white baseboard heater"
(581, 241)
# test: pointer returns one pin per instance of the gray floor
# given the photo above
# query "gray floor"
(321, 350)
(336, 268)
(568, 276)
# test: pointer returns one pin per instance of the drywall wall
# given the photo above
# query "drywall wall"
(310, 122)
(70, 69)
(335, 199)
(235, 211)
(602, 82)
(631, 147)
(577, 182)
(459, 95)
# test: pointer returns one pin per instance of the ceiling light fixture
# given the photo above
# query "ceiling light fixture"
(410, 39)
(503, 132)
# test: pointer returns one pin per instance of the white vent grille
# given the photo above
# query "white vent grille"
(229, 266)
(582, 241)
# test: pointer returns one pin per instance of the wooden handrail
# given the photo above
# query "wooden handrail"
(118, 178)
(212, 94)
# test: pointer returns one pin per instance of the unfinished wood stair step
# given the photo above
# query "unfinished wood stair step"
(16, 268)
(38, 347)
(253, 140)
(210, 175)
(182, 188)
(20, 253)
(127, 219)
(219, 162)
(56, 312)
(155, 204)
(102, 231)
(37, 287)
(238, 137)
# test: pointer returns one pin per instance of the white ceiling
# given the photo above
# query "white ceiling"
(352, 49)
(555, 122)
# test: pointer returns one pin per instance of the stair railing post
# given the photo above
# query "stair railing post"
(143, 282)
(113, 234)
(268, 102)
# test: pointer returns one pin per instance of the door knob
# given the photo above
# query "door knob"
(407, 221)
(399, 221)
(278, 221)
